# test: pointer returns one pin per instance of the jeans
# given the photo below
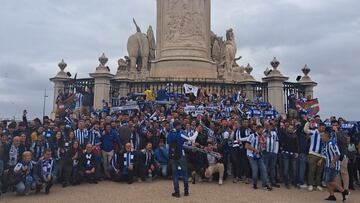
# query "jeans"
(174, 167)
(270, 164)
(302, 160)
(256, 166)
(289, 159)
(106, 158)
(164, 170)
(25, 186)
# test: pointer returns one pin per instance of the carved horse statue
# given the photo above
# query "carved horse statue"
(138, 50)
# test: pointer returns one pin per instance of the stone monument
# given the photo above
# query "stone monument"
(183, 39)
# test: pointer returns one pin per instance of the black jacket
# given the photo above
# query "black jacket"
(289, 142)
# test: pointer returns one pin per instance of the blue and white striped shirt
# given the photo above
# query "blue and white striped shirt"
(272, 141)
(79, 100)
(254, 142)
(94, 137)
(330, 151)
(315, 143)
(82, 136)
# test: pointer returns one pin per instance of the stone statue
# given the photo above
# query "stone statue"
(123, 65)
(152, 45)
(138, 49)
(217, 48)
(230, 51)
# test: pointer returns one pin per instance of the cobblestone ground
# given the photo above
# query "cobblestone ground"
(159, 191)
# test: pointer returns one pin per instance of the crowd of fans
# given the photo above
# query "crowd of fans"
(227, 136)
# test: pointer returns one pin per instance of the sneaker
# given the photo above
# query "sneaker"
(268, 188)
(255, 187)
(331, 198)
(220, 181)
(323, 184)
(320, 188)
(186, 193)
(236, 180)
(247, 181)
(176, 194)
(345, 194)
(303, 186)
(310, 188)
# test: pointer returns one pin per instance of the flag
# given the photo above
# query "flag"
(310, 107)
(191, 89)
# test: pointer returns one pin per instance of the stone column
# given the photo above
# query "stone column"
(58, 81)
(275, 81)
(307, 82)
(248, 80)
(102, 78)
(183, 40)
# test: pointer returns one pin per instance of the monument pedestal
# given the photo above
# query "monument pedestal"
(183, 68)
(183, 40)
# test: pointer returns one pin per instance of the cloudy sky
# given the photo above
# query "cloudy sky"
(36, 35)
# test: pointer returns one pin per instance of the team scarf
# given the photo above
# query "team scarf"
(13, 155)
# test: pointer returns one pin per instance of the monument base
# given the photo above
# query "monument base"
(183, 68)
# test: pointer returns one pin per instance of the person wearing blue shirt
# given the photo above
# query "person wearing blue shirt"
(177, 158)
(162, 158)
(107, 146)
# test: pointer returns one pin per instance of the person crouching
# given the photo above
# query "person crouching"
(45, 169)
(89, 165)
(128, 164)
(24, 173)
(215, 164)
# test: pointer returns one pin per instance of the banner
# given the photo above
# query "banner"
(124, 108)
(191, 89)
(194, 111)
(310, 107)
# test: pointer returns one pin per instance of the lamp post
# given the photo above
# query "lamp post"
(45, 96)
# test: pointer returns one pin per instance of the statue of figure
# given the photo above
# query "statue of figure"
(230, 50)
(152, 45)
(123, 65)
(138, 49)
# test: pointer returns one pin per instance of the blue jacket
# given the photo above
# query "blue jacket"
(162, 155)
(175, 135)
(108, 140)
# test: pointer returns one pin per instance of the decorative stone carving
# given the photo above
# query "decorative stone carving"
(62, 65)
(138, 50)
(274, 72)
(306, 70)
(217, 47)
(275, 63)
(249, 69)
(230, 51)
(102, 66)
(185, 23)
(123, 65)
(61, 74)
(152, 45)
